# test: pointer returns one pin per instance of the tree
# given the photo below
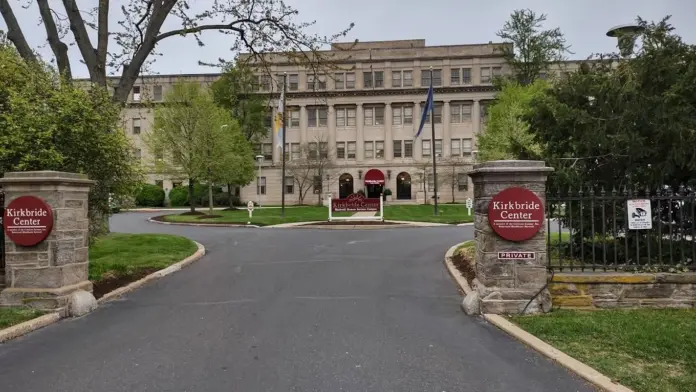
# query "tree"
(237, 91)
(424, 172)
(236, 167)
(182, 133)
(448, 173)
(507, 135)
(313, 169)
(47, 125)
(258, 27)
(533, 49)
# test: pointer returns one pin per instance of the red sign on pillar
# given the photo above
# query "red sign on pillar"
(516, 214)
(28, 220)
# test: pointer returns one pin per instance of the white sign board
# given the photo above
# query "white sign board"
(469, 204)
(639, 214)
(250, 206)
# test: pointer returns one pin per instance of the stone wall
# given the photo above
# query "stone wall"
(604, 290)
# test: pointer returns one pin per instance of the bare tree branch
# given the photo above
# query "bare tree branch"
(102, 35)
(59, 48)
(14, 32)
(77, 26)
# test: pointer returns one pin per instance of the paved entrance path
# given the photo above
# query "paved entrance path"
(283, 310)
(364, 214)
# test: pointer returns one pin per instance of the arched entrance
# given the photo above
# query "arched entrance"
(374, 182)
(345, 185)
(403, 186)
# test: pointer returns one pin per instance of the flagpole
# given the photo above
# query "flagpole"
(432, 145)
(282, 176)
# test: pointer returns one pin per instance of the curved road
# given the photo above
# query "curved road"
(286, 310)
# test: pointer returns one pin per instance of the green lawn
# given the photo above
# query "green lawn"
(12, 316)
(125, 254)
(646, 350)
(264, 217)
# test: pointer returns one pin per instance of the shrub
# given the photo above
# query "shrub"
(221, 199)
(178, 197)
(150, 196)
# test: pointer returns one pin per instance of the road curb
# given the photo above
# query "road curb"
(153, 276)
(202, 224)
(461, 281)
(584, 371)
(24, 328)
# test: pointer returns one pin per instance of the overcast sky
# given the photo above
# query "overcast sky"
(439, 22)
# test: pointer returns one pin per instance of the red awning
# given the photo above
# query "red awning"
(374, 177)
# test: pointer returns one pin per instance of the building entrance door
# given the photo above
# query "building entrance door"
(374, 182)
(403, 186)
(345, 185)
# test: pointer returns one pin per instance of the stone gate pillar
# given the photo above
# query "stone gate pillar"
(509, 225)
(46, 274)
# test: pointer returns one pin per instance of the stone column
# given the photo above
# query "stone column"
(303, 125)
(446, 134)
(507, 286)
(388, 136)
(359, 134)
(45, 275)
(417, 143)
(476, 118)
(332, 145)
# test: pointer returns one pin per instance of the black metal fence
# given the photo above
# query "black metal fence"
(2, 233)
(589, 230)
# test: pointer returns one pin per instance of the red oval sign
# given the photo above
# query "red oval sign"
(516, 214)
(27, 220)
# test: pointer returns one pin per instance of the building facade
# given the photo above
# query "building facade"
(362, 115)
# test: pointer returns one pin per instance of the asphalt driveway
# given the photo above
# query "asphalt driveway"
(286, 310)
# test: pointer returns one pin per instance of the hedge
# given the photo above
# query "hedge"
(150, 196)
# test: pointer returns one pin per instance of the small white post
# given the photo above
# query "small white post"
(329, 204)
(469, 204)
(381, 207)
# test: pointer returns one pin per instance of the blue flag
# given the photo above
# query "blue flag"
(428, 108)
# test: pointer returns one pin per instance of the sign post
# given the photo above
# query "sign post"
(469, 204)
(250, 208)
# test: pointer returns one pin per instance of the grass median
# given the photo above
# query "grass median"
(14, 316)
(118, 259)
(271, 216)
(647, 350)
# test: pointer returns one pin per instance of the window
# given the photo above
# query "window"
(425, 146)
(295, 151)
(267, 151)
(466, 146)
(407, 78)
(425, 77)
(351, 150)
(316, 82)
(344, 80)
(260, 185)
(312, 150)
(287, 151)
(437, 109)
(408, 148)
(341, 150)
(136, 126)
(456, 147)
(460, 112)
(484, 112)
(485, 75)
(438, 148)
(345, 117)
(316, 184)
(317, 116)
(498, 71)
(373, 79)
(289, 185)
(374, 115)
(397, 149)
(293, 82)
(265, 82)
(402, 115)
(294, 117)
(462, 181)
(157, 93)
(369, 150)
(159, 183)
(323, 150)
(396, 115)
(466, 75)
(176, 184)
(136, 93)
(396, 78)
(138, 153)
(454, 76)
(379, 150)
(268, 119)
(257, 149)
(431, 181)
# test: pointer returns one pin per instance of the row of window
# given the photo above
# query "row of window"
(372, 149)
(375, 79)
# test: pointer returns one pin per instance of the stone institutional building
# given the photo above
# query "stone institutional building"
(363, 116)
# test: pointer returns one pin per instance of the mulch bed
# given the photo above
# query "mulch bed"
(189, 213)
(209, 216)
(464, 265)
(354, 223)
(109, 284)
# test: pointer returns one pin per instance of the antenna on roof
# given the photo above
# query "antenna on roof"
(626, 37)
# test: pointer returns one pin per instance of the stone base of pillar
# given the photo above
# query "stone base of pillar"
(41, 298)
(498, 300)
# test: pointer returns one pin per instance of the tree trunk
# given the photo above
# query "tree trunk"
(210, 198)
(192, 202)
(229, 196)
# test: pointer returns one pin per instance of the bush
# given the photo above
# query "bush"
(387, 192)
(150, 196)
(178, 197)
(221, 199)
